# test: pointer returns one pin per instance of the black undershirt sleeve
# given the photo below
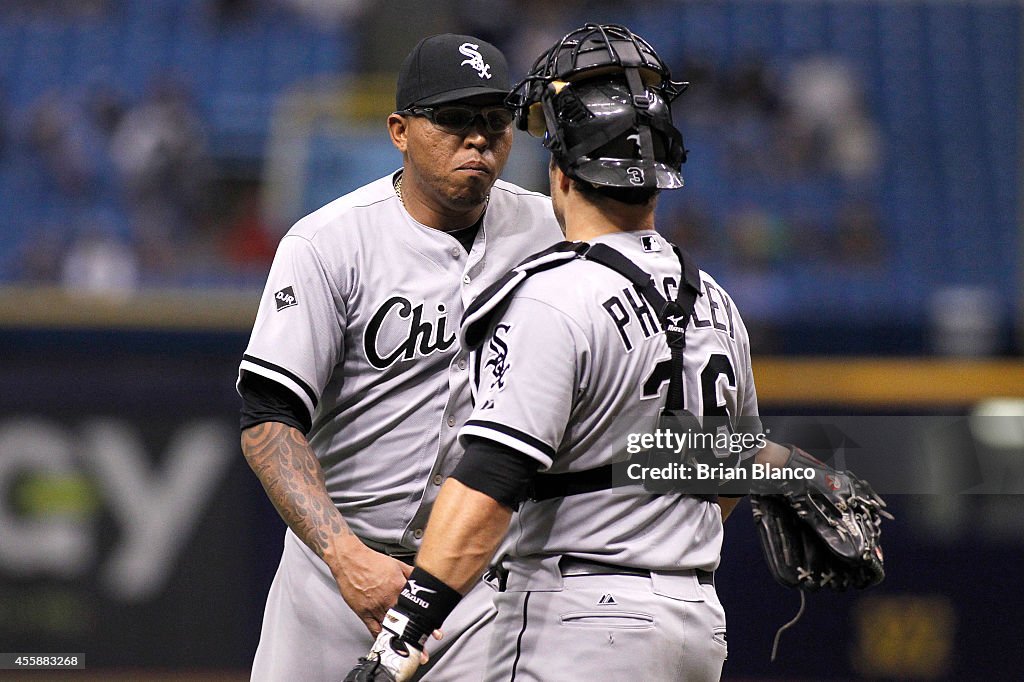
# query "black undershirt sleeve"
(497, 471)
(265, 400)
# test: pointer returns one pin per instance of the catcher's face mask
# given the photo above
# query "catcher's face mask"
(600, 98)
(596, 134)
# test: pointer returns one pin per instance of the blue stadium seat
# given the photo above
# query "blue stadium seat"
(10, 53)
(755, 27)
(941, 80)
(42, 60)
(240, 61)
(803, 26)
(193, 55)
(703, 28)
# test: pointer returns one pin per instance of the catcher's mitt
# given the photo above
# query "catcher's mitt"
(822, 532)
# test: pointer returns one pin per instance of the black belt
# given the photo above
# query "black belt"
(404, 558)
(573, 566)
(393, 551)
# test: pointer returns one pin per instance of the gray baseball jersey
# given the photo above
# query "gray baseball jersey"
(359, 319)
(565, 377)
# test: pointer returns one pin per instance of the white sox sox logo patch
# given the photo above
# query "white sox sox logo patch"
(476, 60)
(498, 362)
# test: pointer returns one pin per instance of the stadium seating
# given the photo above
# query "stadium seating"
(940, 81)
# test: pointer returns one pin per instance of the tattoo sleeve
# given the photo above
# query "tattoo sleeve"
(290, 473)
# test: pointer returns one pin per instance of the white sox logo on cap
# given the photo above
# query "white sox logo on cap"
(476, 60)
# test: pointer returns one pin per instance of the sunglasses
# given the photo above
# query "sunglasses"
(456, 118)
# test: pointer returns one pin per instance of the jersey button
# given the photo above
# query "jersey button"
(418, 533)
(462, 364)
(466, 279)
(456, 252)
(451, 421)
(438, 480)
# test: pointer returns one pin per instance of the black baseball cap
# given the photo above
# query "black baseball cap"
(450, 67)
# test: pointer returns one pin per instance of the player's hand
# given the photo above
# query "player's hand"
(369, 582)
(390, 660)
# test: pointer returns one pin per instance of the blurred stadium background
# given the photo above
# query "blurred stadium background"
(854, 182)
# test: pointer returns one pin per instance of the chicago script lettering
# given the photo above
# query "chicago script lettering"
(421, 335)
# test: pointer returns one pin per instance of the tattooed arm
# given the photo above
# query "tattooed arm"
(291, 474)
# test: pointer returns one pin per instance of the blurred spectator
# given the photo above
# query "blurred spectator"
(701, 104)
(105, 107)
(825, 100)
(858, 235)
(965, 321)
(100, 263)
(759, 238)
(691, 227)
(248, 242)
(801, 150)
(57, 136)
(548, 21)
(228, 11)
(160, 151)
(39, 258)
(752, 88)
(388, 30)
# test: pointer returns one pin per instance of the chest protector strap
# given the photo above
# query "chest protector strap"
(673, 315)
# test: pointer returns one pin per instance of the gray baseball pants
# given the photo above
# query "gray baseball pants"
(558, 623)
(310, 634)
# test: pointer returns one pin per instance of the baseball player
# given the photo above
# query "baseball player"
(575, 350)
(354, 383)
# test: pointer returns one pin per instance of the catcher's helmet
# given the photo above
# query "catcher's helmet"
(600, 97)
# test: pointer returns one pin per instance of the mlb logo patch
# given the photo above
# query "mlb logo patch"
(285, 298)
(650, 243)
